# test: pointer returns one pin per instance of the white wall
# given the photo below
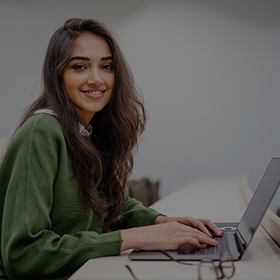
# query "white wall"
(208, 70)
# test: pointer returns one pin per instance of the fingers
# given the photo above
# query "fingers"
(195, 237)
(197, 223)
(202, 224)
(211, 226)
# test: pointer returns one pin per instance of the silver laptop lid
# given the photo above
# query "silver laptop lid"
(259, 202)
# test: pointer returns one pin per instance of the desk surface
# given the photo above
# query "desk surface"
(260, 261)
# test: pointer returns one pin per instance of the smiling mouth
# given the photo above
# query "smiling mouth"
(93, 92)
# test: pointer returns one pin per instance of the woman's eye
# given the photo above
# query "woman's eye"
(79, 67)
(107, 67)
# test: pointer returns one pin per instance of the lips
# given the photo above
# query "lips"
(94, 91)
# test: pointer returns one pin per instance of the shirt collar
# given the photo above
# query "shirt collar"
(85, 131)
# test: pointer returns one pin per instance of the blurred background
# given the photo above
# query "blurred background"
(208, 71)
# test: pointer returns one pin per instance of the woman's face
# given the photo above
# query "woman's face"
(90, 78)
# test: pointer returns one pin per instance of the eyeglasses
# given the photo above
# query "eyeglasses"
(207, 268)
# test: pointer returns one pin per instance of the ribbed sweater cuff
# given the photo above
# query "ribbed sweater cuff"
(110, 243)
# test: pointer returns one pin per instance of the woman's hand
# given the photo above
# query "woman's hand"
(197, 223)
(166, 235)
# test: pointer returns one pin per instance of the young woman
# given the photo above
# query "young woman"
(62, 179)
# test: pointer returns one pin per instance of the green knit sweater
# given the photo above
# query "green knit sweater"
(46, 230)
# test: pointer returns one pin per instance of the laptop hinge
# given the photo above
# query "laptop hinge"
(242, 244)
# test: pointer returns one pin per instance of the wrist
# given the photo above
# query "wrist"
(130, 239)
(160, 219)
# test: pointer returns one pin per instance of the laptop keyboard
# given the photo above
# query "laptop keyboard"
(205, 249)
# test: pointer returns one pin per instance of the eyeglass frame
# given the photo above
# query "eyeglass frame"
(216, 267)
(219, 266)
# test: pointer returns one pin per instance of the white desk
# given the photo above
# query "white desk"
(260, 261)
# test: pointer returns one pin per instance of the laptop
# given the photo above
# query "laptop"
(237, 236)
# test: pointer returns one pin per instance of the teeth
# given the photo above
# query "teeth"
(95, 92)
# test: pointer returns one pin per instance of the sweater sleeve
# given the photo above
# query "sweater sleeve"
(30, 249)
(134, 214)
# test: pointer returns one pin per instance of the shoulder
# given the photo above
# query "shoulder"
(42, 122)
(40, 128)
(39, 137)
(41, 125)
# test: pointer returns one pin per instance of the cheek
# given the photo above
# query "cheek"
(112, 82)
(70, 83)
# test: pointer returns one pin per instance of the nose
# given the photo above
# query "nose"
(95, 78)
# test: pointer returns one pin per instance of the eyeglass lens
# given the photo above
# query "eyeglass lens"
(227, 264)
(208, 270)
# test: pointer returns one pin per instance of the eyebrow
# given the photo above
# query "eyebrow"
(86, 58)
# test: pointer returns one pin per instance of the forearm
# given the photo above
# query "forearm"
(131, 238)
(135, 237)
(167, 234)
(145, 238)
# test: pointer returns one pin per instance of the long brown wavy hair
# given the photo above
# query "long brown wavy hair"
(103, 164)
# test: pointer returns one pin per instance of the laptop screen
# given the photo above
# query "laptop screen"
(260, 201)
